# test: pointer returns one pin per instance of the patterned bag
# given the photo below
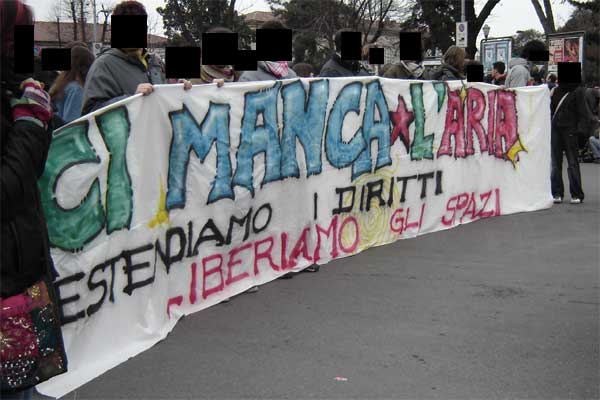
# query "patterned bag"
(31, 345)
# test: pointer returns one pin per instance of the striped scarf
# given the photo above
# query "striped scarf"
(210, 72)
(278, 68)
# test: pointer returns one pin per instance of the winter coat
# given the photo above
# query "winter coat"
(115, 75)
(574, 114)
(25, 254)
(518, 73)
(446, 72)
(262, 73)
(405, 70)
(335, 67)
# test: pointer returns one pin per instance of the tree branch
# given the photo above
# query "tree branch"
(540, 14)
(549, 16)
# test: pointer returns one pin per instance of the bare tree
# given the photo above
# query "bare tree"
(82, 16)
(56, 14)
(545, 15)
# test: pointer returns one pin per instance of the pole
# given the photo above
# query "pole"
(95, 21)
(462, 11)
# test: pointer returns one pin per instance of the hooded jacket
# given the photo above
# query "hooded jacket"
(335, 67)
(518, 73)
(574, 114)
(262, 73)
(446, 72)
(115, 75)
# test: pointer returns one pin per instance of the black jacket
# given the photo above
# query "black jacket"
(24, 252)
(574, 114)
(335, 67)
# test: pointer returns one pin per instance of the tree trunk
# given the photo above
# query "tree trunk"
(74, 16)
(476, 23)
(547, 19)
(83, 35)
(58, 31)
(104, 26)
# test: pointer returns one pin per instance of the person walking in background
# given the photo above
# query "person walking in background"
(551, 81)
(120, 73)
(519, 68)
(569, 109)
(498, 73)
(67, 90)
(335, 67)
(453, 65)
(269, 70)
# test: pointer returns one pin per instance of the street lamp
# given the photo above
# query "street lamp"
(486, 30)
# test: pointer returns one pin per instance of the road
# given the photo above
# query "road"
(502, 308)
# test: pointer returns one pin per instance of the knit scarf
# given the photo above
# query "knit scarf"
(210, 72)
(278, 68)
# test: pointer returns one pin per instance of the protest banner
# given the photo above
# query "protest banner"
(164, 205)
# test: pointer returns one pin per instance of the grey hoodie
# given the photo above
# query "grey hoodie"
(262, 73)
(518, 73)
(115, 75)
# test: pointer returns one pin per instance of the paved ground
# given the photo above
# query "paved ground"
(501, 308)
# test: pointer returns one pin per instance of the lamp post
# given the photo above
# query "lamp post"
(486, 30)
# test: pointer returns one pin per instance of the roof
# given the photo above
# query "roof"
(47, 32)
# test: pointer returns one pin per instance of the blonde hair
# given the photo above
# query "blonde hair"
(455, 56)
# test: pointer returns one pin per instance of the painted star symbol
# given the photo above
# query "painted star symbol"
(401, 119)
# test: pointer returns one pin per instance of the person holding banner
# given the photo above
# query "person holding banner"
(218, 74)
(120, 73)
(269, 70)
(335, 67)
(29, 314)
(453, 65)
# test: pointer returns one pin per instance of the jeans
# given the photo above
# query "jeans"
(594, 143)
(567, 142)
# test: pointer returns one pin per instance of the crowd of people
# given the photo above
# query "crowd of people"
(32, 109)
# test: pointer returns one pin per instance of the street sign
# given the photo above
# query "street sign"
(461, 34)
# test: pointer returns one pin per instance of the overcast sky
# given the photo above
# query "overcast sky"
(508, 16)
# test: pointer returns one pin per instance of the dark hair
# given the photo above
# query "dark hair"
(531, 47)
(499, 66)
(551, 78)
(272, 24)
(338, 37)
(303, 69)
(129, 7)
(81, 61)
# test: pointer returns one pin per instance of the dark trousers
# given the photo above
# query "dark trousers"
(567, 142)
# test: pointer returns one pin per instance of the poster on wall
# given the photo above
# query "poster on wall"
(493, 50)
(565, 47)
(160, 206)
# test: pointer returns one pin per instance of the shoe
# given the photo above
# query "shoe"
(227, 300)
(289, 275)
(312, 268)
(575, 200)
(557, 199)
(253, 289)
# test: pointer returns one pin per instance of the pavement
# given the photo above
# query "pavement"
(506, 307)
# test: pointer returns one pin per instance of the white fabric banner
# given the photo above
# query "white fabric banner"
(161, 206)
